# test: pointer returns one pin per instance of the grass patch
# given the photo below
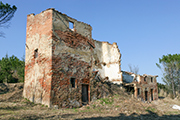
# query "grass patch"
(117, 106)
(75, 110)
(27, 99)
(150, 109)
(107, 101)
(94, 105)
(172, 112)
(86, 111)
(116, 96)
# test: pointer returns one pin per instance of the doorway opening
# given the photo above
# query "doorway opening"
(129, 89)
(146, 95)
(139, 91)
(85, 94)
(152, 94)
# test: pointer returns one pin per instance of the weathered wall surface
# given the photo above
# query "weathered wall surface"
(108, 61)
(64, 53)
(77, 55)
(71, 58)
(56, 55)
(61, 22)
(38, 70)
(69, 63)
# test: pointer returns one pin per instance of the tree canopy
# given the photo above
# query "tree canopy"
(170, 66)
(11, 69)
(6, 14)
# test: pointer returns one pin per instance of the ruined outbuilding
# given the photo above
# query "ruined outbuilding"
(142, 86)
(62, 60)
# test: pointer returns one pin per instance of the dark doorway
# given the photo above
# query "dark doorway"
(84, 94)
(129, 89)
(139, 91)
(146, 95)
(152, 94)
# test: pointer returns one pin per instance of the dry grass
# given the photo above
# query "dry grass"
(116, 107)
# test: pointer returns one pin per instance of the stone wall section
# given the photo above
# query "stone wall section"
(61, 22)
(38, 69)
(70, 60)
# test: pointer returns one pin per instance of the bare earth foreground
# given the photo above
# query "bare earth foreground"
(120, 107)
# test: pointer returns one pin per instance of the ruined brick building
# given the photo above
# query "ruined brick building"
(62, 59)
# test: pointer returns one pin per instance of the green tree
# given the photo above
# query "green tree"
(6, 14)
(170, 66)
(162, 86)
(6, 72)
(21, 69)
(11, 69)
(17, 67)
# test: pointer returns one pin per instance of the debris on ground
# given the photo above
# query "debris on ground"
(176, 107)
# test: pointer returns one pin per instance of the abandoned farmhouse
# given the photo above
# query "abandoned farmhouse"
(64, 65)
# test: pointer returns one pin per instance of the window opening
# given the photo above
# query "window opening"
(145, 78)
(151, 79)
(36, 53)
(71, 25)
(72, 82)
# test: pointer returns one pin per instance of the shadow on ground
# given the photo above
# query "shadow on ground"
(3, 88)
(149, 116)
(160, 97)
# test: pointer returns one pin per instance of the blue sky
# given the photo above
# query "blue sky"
(144, 30)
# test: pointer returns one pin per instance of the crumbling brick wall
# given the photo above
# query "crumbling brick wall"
(147, 83)
(61, 62)
(71, 58)
(38, 61)
(57, 54)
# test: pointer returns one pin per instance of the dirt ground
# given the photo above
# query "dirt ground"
(120, 107)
